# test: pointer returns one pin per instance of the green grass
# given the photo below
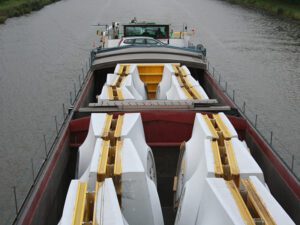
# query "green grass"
(287, 8)
(12, 8)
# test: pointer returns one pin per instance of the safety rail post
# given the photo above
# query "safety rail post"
(255, 122)
(32, 170)
(292, 166)
(15, 197)
(82, 70)
(75, 92)
(55, 118)
(64, 110)
(244, 107)
(71, 100)
(271, 138)
(45, 145)
(79, 81)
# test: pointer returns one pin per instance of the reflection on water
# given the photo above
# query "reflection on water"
(42, 55)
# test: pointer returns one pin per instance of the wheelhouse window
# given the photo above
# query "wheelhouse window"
(155, 31)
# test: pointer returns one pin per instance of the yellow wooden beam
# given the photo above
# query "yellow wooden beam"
(110, 93)
(119, 125)
(106, 128)
(80, 203)
(226, 133)
(257, 203)
(196, 93)
(118, 158)
(244, 212)
(102, 166)
(210, 127)
(98, 186)
(187, 94)
(217, 159)
(233, 166)
(120, 94)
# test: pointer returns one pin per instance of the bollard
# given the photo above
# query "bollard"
(55, 118)
(271, 138)
(255, 123)
(45, 145)
(233, 95)
(16, 202)
(32, 170)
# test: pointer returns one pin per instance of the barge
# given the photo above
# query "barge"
(153, 139)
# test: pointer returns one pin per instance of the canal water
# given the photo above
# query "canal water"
(42, 54)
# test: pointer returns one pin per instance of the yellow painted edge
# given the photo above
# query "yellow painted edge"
(240, 203)
(120, 94)
(103, 161)
(217, 159)
(234, 168)
(98, 186)
(257, 202)
(210, 126)
(79, 204)
(110, 93)
(119, 126)
(196, 93)
(226, 133)
(106, 128)
(118, 158)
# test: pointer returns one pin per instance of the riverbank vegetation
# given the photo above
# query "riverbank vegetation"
(287, 8)
(12, 8)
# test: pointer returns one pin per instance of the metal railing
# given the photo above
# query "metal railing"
(22, 192)
(290, 160)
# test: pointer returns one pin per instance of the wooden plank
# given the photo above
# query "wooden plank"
(102, 166)
(226, 133)
(217, 159)
(79, 204)
(119, 125)
(210, 127)
(257, 203)
(118, 158)
(233, 166)
(106, 128)
(244, 212)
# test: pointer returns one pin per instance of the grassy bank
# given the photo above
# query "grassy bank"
(12, 8)
(287, 8)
